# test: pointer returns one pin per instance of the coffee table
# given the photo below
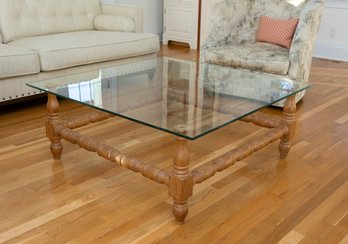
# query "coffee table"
(186, 99)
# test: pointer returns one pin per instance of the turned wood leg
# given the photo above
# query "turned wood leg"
(289, 112)
(181, 181)
(53, 117)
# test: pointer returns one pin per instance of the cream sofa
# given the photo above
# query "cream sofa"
(43, 39)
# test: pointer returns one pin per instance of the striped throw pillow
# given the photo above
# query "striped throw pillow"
(276, 31)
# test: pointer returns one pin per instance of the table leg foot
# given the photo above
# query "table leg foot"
(181, 182)
(180, 210)
(56, 150)
(284, 148)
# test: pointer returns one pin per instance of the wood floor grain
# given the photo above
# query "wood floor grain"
(86, 199)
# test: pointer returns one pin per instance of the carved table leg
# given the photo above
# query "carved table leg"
(289, 112)
(181, 181)
(52, 111)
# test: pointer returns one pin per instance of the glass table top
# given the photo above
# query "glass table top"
(184, 98)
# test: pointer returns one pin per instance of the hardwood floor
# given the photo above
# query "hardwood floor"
(85, 199)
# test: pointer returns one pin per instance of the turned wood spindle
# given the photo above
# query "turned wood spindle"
(181, 181)
(53, 117)
(288, 120)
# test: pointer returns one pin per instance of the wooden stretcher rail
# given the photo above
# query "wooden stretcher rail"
(112, 154)
(206, 171)
(263, 121)
(80, 121)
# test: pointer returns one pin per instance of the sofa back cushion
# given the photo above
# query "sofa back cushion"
(26, 18)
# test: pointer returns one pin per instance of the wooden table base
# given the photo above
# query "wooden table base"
(180, 182)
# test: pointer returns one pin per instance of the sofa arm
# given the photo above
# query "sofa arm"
(103, 22)
(133, 12)
(301, 51)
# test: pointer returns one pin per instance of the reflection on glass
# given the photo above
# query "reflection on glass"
(87, 91)
(184, 98)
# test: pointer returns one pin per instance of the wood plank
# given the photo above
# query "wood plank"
(293, 237)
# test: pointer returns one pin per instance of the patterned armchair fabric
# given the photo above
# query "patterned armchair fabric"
(234, 24)
(263, 57)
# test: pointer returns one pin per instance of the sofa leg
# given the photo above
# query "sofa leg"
(53, 117)
(151, 74)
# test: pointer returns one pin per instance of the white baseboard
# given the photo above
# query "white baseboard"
(336, 4)
(331, 51)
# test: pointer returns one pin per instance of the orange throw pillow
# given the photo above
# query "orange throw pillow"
(276, 31)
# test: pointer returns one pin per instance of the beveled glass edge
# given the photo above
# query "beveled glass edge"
(173, 132)
(119, 115)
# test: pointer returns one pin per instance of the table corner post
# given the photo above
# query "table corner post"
(181, 181)
(52, 118)
(289, 120)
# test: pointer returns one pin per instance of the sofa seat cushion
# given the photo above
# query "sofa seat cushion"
(78, 48)
(264, 57)
(17, 61)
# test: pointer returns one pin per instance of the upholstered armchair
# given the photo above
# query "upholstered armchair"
(234, 24)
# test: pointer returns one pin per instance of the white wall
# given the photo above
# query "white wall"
(332, 39)
(153, 13)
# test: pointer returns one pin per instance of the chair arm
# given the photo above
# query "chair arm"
(301, 51)
(131, 11)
